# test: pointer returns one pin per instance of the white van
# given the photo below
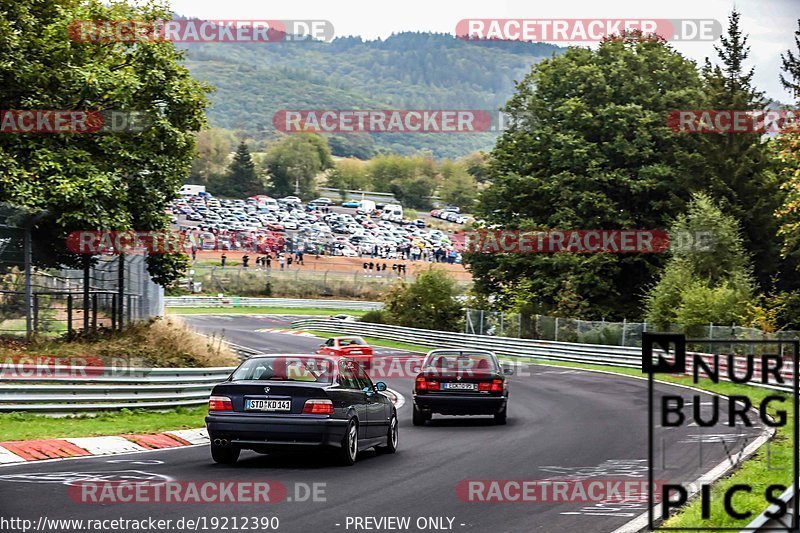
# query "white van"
(392, 213)
(365, 207)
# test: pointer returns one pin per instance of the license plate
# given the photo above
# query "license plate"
(268, 405)
(461, 386)
(356, 352)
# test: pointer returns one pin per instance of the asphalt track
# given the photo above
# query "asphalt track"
(562, 424)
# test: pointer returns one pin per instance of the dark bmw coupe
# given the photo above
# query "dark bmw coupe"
(280, 402)
(460, 382)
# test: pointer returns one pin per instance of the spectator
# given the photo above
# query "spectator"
(194, 252)
(281, 260)
(223, 259)
(365, 268)
(258, 261)
(245, 260)
(384, 267)
(268, 260)
(289, 261)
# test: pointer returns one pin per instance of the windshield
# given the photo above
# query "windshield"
(460, 362)
(307, 369)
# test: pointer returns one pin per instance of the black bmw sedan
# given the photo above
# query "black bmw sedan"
(460, 382)
(281, 402)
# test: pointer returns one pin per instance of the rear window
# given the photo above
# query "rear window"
(304, 369)
(461, 362)
(354, 341)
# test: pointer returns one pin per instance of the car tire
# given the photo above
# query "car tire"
(391, 438)
(418, 418)
(500, 418)
(347, 454)
(224, 455)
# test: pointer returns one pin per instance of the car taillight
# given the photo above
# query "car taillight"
(496, 385)
(220, 403)
(422, 384)
(318, 407)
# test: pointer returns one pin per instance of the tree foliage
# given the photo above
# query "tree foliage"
(711, 283)
(587, 147)
(241, 179)
(113, 181)
(742, 175)
(295, 161)
(430, 302)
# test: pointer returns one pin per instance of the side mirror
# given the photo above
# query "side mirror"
(508, 370)
(380, 386)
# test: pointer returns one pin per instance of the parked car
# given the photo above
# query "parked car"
(351, 203)
(284, 402)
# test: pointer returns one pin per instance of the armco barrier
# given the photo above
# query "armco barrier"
(236, 301)
(596, 354)
(548, 350)
(41, 389)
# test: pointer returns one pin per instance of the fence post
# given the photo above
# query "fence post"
(556, 330)
(69, 314)
(29, 298)
(120, 288)
(502, 316)
(481, 330)
(94, 312)
(624, 329)
(86, 282)
(113, 312)
(35, 312)
(710, 336)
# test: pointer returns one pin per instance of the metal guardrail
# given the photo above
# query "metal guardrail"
(237, 301)
(617, 356)
(48, 389)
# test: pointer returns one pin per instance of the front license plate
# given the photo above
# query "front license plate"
(461, 386)
(268, 405)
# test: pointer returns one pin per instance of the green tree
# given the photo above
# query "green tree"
(790, 61)
(458, 186)
(708, 280)
(214, 147)
(587, 147)
(295, 161)
(108, 181)
(430, 302)
(242, 178)
(349, 174)
(743, 177)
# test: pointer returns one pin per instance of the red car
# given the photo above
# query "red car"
(354, 348)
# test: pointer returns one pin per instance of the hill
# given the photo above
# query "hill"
(404, 71)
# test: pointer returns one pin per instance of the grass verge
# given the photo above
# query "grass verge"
(315, 311)
(23, 426)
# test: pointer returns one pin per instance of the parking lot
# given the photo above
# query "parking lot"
(262, 225)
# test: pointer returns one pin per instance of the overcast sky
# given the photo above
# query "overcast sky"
(770, 23)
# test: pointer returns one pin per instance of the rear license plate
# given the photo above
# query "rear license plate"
(268, 405)
(356, 352)
(461, 386)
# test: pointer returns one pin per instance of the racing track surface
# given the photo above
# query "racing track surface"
(562, 423)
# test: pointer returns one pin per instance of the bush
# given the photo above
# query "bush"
(376, 316)
(431, 302)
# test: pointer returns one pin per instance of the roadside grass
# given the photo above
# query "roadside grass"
(770, 464)
(23, 426)
(158, 343)
(376, 342)
(315, 311)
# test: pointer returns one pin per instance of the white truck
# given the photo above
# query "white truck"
(392, 213)
(191, 190)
